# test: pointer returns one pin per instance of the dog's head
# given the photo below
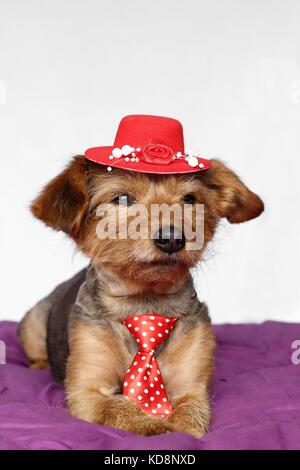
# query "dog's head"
(85, 195)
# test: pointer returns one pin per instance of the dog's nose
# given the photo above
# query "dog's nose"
(169, 239)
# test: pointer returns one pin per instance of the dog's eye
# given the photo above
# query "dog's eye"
(189, 199)
(123, 199)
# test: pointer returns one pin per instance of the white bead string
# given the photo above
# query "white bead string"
(130, 155)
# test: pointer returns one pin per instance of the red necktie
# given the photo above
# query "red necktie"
(143, 381)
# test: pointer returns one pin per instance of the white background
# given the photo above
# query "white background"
(229, 70)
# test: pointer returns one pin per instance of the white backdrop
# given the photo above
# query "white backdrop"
(229, 70)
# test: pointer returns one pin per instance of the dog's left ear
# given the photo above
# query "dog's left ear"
(230, 196)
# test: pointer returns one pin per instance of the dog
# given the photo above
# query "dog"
(78, 329)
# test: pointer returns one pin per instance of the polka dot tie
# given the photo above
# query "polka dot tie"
(143, 381)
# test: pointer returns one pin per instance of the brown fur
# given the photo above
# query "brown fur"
(127, 277)
(33, 332)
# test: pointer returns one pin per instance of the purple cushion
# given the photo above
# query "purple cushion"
(255, 399)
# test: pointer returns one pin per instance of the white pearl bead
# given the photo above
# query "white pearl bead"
(109, 168)
(201, 165)
(117, 152)
(127, 159)
(138, 149)
(126, 149)
(192, 161)
(111, 157)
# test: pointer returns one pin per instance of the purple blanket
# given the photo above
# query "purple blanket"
(255, 399)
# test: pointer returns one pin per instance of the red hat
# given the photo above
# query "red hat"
(148, 144)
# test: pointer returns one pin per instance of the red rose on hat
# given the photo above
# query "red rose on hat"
(156, 153)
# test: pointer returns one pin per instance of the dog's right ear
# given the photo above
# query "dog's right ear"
(63, 203)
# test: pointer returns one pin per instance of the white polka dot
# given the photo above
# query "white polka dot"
(152, 317)
(152, 340)
(151, 398)
(160, 324)
(162, 416)
(148, 372)
(137, 340)
(167, 412)
(143, 358)
(135, 363)
(144, 333)
(145, 345)
(151, 385)
(129, 325)
(145, 378)
(158, 372)
(136, 318)
(125, 384)
(152, 328)
(139, 384)
(154, 411)
(132, 390)
(165, 400)
(144, 322)
(167, 320)
(146, 405)
(146, 390)
(128, 370)
(156, 379)
(157, 392)
(159, 335)
(136, 328)
(151, 366)
(140, 369)
(147, 365)
(161, 386)
(167, 331)
(158, 405)
(132, 376)
(140, 397)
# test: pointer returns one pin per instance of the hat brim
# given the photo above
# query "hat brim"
(101, 155)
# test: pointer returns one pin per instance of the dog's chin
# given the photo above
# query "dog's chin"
(153, 273)
(177, 261)
(160, 274)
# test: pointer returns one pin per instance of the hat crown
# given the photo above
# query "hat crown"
(136, 130)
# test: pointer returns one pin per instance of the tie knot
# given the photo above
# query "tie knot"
(150, 330)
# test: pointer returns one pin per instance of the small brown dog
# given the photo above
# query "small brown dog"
(78, 328)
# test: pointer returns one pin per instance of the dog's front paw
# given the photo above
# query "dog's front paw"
(122, 413)
(191, 417)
